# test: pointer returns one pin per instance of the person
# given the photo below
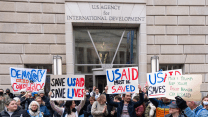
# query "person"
(89, 107)
(26, 100)
(43, 108)
(59, 103)
(12, 110)
(99, 107)
(11, 95)
(3, 98)
(174, 110)
(70, 109)
(126, 108)
(140, 109)
(18, 101)
(200, 111)
(192, 104)
(22, 93)
(150, 110)
(95, 93)
(46, 100)
(117, 98)
(34, 109)
(162, 107)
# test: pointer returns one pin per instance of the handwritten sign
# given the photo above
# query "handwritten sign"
(122, 80)
(156, 82)
(185, 86)
(67, 87)
(29, 79)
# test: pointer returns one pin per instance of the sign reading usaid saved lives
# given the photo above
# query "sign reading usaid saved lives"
(122, 80)
(67, 87)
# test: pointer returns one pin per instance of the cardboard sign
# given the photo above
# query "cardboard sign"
(122, 80)
(156, 82)
(29, 79)
(185, 86)
(67, 87)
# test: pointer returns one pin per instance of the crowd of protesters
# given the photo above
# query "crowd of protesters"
(97, 104)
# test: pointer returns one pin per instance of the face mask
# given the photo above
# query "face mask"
(87, 93)
(205, 103)
(7, 92)
(1, 93)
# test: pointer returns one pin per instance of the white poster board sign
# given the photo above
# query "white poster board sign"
(122, 80)
(185, 86)
(156, 82)
(67, 87)
(29, 79)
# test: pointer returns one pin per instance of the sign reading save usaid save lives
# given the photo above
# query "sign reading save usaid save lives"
(29, 79)
(122, 80)
(156, 82)
(67, 87)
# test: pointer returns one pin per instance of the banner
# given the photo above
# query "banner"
(29, 79)
(156, 82)
(122, 80)
(185, 86)
(67, 87)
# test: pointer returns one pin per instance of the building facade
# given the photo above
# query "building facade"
(94, 35)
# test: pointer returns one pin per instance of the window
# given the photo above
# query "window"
(165, 67)
(97, 46)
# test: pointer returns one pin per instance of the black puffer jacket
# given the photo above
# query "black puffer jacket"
(18, 113)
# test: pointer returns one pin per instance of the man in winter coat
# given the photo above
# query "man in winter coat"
(43, 109)
(12, 110)
(126, 107)
(11, 95)
(3, 99)
(26, 100)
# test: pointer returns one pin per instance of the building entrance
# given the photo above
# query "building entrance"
(101, 82)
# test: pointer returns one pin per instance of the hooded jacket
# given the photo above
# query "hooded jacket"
(44, 110)
(17, 113)
(131, 106)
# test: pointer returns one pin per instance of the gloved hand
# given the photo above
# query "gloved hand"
(181, 103)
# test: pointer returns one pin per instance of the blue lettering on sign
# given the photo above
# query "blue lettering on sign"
(72, 94)
(34, 75)
(130, 88)
(162, 79)
(151, 80)
(116, 72)
(109, 78)
(73, 82)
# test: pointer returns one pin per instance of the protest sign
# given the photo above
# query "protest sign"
(185, 86)
(122, 80)
(156, 82)
(29, 79)
(67, 87)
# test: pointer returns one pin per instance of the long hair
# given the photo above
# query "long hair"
(67, 107)
(101, 97)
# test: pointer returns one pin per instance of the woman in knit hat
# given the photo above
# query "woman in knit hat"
(34, 109)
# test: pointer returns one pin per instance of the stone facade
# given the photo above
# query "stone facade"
(177, 33)
(32, 31)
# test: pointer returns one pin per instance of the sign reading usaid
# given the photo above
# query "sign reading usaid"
(105, 12)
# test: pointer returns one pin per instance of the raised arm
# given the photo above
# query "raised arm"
(109, 101)
(141, 98)
(80, 106)
(59, 110)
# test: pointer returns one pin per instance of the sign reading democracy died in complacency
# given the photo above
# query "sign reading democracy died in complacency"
(122, 80)
(29, 79)
(185, 86)
(67, 87)
(156, 82)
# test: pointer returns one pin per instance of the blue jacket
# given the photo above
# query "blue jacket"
(131, 106)
(44, 110)
(198, 112)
